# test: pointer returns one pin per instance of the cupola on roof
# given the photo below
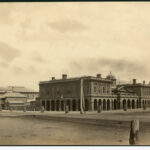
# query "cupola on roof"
(110, 76)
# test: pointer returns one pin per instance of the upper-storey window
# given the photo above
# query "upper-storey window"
(95, 89)
(68, 91)
(47, 92)
(99, 90)
(108, 89)
(103, 89)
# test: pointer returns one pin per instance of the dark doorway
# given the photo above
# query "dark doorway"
(115, 104)
(57, 105)
(104, 104)
(53, 105)
(108, 104)
(62, 105)
(48, 106)
(124, 104)
(95, 104)
(129, 105)
(133, 104)
(74, 105)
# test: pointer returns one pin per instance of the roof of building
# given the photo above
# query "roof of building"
(135, 85)
(122, 89)
(13, 94)
(31, 100)
(17, 89)
(75, 79)
(15, 101)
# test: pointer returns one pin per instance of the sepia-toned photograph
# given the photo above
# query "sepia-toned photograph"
(74, 73)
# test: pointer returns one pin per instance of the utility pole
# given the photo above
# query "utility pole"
(81, 97)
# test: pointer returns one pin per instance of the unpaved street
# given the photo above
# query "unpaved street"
(32, 128)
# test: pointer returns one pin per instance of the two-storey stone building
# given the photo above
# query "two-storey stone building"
(142, 91)
(88, 91)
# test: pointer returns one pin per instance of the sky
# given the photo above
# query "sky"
(42, 40)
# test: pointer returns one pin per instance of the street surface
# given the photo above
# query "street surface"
(58, 128)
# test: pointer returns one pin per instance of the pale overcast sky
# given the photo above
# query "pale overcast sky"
(41, 40)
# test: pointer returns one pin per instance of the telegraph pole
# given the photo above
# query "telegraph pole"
(81, 97)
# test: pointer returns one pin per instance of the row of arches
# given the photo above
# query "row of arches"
(123, 104)
(59, 105)
(106, 104)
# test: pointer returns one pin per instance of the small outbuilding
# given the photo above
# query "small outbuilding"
(13, 100)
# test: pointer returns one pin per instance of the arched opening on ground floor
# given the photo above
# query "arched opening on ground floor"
(57, 105)
(108, 104)
(104, 104)
(62, 105)
(133, 104)
(99, 102)
(124, 104)
(69, 104)
(79, 104)
(53, 105)
(95, 104)
(129, 104)
(115, 104)
(74, 105)
(48, 106)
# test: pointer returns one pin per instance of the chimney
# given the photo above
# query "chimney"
(98, 75)
(53, 78)
(143, 82)
(64, 76)
(134, 81)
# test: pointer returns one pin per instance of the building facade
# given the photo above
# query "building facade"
(55, 94)
(17, 97)
(13, 100)
(142, 91)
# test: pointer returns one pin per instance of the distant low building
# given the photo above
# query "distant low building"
(17, 97)
(13, 100)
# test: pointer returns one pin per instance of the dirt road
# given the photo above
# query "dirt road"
(32, 128)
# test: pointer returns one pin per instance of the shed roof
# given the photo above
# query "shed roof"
(15, 102)
(17, 89)
(13, 94)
